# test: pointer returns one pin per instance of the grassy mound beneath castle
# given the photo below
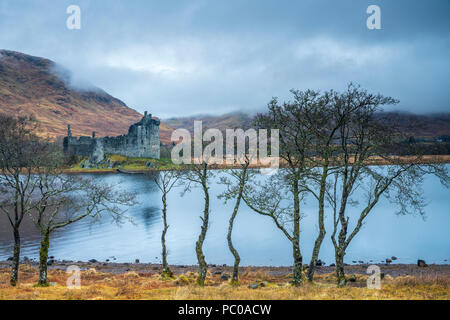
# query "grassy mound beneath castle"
(124, 163)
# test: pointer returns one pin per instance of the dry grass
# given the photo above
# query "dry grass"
(132, 285)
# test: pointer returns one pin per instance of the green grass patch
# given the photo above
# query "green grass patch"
(128, 163)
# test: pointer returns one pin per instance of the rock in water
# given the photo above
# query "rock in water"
(388, 260)
(421, 263)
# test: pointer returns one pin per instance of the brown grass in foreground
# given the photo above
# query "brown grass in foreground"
(132, 285)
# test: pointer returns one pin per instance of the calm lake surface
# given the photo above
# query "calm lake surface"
(259, 242)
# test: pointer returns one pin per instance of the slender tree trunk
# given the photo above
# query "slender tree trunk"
(298, 264)
(340, 274)
(237, 258)
(166, 269)
(315, 254)
(297, 255)
(43, 257)
(341, 245)
(201, 238)
(16, 258)
(340, 253)
(322, 232)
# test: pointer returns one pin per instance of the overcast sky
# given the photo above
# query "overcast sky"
(177, 58)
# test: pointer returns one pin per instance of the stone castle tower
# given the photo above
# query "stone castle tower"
(142, 141)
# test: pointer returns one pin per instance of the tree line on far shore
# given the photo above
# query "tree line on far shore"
(326, 140)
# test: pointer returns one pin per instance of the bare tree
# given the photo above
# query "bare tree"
(361, 140)
(61, 200)
(316, 115)
(20, 156)
(200, 175)
(34, 185)
(165, 181)
(272, 196)
(323, 119)
(235, 190)
(295, 139)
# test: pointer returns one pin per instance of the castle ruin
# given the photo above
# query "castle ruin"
(142, 141)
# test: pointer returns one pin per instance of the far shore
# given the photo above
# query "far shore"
(426, 159)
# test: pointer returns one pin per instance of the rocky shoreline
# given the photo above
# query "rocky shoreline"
(392, 270)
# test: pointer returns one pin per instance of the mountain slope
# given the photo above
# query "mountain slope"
(32, 85)
(427, 127)
(37, 86)
(430, 131)
(235, 120)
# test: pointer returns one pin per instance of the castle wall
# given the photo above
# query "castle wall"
(142, 141)
(84, 146)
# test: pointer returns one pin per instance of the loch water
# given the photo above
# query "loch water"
(257, 239)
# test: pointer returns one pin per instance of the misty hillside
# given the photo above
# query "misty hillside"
(427, 127)
(227, 121)
(37, 86)
(33, 85)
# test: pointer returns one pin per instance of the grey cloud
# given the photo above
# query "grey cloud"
(190, 57)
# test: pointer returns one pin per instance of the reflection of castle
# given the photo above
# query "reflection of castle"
(142, 141)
